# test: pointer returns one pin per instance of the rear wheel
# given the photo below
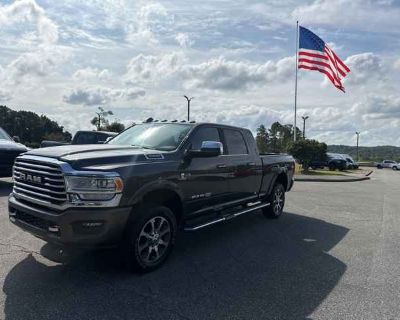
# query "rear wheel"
(394, 168)
(277, 202)
(332, 167)
(150, 238)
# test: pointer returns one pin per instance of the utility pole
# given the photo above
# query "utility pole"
(188, 106)
(304, 125)
(358, 137)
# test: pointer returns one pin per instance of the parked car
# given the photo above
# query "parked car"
(333, 162)
(10, 148)
(351, 164)
(82, 137)
(144, 184)
(388, 164)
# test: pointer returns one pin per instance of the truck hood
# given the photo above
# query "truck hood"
(12, 145)
(98, 156)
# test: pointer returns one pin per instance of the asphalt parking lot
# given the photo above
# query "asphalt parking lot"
(333, 255)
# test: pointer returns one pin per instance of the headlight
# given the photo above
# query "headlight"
(93, 188)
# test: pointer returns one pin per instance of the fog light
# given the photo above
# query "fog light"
(74, 198)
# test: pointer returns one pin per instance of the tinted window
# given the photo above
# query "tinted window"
(235, 142)
(204, 134)
(86, 138)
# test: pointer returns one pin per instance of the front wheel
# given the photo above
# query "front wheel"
(394, 168)
(277, 202)
(150, 238)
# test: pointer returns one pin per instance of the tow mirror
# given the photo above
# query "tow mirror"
(16, 139)
(208, 149)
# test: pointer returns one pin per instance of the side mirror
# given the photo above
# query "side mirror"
(16, 139)
(208, 149)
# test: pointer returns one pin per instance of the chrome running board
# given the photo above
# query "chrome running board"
(228, 217)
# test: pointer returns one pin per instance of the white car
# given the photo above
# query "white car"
(388, 164)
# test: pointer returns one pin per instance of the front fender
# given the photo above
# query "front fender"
(154, 186)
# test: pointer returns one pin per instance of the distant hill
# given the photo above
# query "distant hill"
(378, 153)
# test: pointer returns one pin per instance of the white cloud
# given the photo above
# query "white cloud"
(28, 10)
(91, 96)
(360, 14)
(364, 67)
(39, 63)
(91, 74)
(151, 68)
(184, 40)
(221, 74)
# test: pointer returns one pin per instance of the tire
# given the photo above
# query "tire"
(314, 168)
(150, 238)
(275, 209)
(379, 166)
(394, 168)
(332, 167)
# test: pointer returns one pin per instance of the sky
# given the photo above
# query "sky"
(64, 59)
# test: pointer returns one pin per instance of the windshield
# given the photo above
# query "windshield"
(158, 136)
(4, 135)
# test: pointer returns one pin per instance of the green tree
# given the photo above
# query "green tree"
(31, 127)
(115, 127)
(100, 121)
(281, 137)
(305, 151)
(262, 139)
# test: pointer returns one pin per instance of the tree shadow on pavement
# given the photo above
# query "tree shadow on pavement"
(249, 268)
(5, 187)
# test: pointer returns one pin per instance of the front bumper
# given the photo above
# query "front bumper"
(75, 227)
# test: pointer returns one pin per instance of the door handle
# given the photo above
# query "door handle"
(251, 163)
(221, 166)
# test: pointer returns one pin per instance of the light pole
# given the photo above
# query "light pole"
(304, 125)
(188, 106)
(358, 137)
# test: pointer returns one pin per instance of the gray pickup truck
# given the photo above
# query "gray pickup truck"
(139, 188)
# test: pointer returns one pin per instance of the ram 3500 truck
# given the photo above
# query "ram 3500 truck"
(137, 190)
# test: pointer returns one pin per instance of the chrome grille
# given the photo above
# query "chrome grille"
(38, 181)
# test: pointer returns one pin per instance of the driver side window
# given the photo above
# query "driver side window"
(204, 134)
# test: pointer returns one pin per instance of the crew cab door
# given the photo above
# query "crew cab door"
(244, 165)
(204, 180)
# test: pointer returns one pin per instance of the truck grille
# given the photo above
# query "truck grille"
(40, 181)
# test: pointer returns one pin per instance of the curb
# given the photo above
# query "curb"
(350, 179)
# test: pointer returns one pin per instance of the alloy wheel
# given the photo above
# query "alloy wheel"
(154, 240)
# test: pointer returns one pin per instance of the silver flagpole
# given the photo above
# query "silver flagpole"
(295, 85)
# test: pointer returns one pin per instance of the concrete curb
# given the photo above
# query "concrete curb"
(333, 178)
(349, 179)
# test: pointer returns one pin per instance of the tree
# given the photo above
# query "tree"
(100, 121)
(31, 128)
(262, 139)
(115, 127)
(306, 151)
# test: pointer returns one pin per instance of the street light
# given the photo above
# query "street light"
(304, 125)
(358, 137)
(188, 106)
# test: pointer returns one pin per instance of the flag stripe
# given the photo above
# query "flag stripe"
(334, 62)
(326, 69)
(322, 70)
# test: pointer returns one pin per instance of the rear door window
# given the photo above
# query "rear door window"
(235, 142)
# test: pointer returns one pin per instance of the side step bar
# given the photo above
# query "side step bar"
(209, 223)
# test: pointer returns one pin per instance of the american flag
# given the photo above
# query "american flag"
(314, 54)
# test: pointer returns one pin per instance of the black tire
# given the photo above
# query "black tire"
(394, 168)
(379, 166)
(332, 167)
(150, 238)
(314, 168)
(275, 209)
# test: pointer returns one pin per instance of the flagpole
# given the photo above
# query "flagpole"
(295, 85)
